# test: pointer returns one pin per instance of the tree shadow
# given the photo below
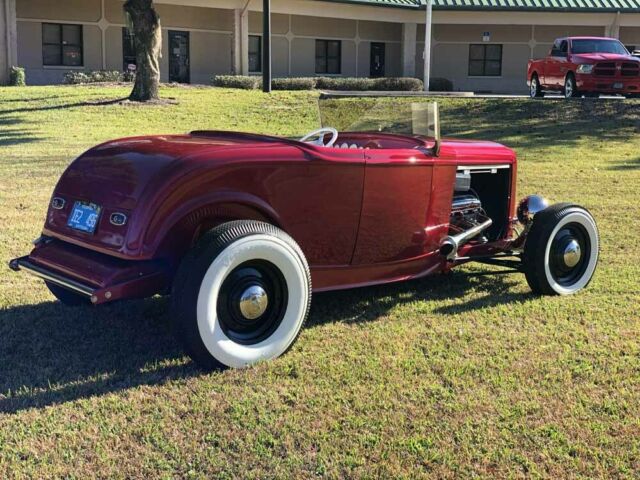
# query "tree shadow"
(65, 106)
(627, 165)
(13, 132)
(51, 354)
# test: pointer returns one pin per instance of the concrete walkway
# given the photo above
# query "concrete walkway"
(372, 94)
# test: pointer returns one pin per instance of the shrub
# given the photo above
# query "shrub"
(293, 83)
(440, 85)
(344, 83)
(17, 77)
(76, 77)
(236, 81)
(407, 84)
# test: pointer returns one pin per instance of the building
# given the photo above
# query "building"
(480, 45)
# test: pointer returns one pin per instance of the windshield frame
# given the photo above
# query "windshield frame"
(597, 42)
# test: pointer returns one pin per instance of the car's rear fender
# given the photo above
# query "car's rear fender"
(172, 236)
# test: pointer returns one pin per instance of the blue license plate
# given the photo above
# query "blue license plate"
(618, 85)
(84, 216)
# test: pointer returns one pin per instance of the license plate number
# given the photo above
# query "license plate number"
(617, 85)
(84, 216)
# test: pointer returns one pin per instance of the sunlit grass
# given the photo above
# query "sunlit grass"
(450, 376)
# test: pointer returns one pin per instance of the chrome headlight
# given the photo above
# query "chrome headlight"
(529, 206)
(585, 68)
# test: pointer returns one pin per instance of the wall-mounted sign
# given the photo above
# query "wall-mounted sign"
(486, 36)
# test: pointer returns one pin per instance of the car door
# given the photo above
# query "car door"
(319, 198)
(563, 63)
(396, 198)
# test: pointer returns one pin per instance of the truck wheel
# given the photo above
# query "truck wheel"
(534, 87)
(570, 89)
(66, 297)
(241, 295)
(561, 250)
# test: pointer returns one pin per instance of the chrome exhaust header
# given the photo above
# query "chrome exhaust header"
(450, 245)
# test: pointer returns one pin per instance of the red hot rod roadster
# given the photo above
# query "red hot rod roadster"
(237, 227)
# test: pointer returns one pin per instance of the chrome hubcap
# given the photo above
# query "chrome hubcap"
(253, 302)
(534, 87)
(572, 254)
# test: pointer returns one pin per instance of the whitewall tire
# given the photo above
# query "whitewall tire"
(561, 251)
(241, 296)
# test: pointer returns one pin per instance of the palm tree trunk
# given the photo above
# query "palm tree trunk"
(147, 37)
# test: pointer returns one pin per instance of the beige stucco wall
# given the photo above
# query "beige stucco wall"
(69, 10)
(630, 36)
(178, 16)
(279, 23)
(323, 27)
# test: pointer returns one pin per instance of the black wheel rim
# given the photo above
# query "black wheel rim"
(565, 266)
(258, 275)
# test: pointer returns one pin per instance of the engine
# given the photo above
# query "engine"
(466, 207)
(468, 219)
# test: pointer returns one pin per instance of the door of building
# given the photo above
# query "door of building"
(377, 60)
(179, 57)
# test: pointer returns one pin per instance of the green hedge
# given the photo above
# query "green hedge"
(236, 81)
(76, 77)
(440, 85)
(17, 77)
(325, 83)
(292, 83)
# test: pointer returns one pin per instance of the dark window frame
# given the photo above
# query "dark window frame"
(484, 60)
(61, 43)
(258, 53)
(325, 57)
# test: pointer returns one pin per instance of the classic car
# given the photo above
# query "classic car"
(587, 66)
(240, 229)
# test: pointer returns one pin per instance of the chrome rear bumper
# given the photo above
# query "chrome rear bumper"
(23, 263)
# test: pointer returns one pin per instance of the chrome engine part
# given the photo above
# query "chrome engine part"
(467, 221)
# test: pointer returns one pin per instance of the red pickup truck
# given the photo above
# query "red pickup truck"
(585, 66)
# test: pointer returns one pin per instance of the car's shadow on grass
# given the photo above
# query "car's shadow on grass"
(51, 354)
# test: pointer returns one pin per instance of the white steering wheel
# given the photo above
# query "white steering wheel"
(320, 133)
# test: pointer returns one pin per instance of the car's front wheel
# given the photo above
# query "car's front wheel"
(241, 295)
(535, 90)
(570, 88)
(561, 250)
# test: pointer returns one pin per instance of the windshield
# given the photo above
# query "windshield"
(598, 46)
(386, 114)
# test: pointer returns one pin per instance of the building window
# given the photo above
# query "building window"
(255, 53)
(328, 56)
(129, 60)
(485, 60)
(62, 45)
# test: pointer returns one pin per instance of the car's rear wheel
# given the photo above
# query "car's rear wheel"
(66, 297)
(570, 88)
(561, 250)
(241, 295)
(535, 90)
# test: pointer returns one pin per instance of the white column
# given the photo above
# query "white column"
(427, 45)
(614, 28)
(240, 49)
(409, 37)
(8, 39)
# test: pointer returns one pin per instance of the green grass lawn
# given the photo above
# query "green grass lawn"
(450, 376)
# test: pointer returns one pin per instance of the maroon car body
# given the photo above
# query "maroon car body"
(360, 216)
(241, 228)
(585, 65)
